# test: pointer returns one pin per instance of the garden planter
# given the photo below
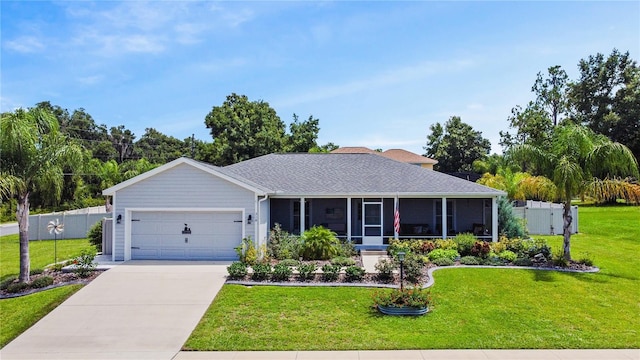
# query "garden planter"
(411, 311)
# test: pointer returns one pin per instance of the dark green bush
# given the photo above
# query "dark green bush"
(412, 268)
(319, 243)
(237, 270)
(36, 272)
(306, 271)
(261, 272)
(385, 268)
(559, 260)
(346, 249)
(443, 262)
(343, 261)
(290, 262)
(330, 272)
(17, 287)
(281, 272)
(283, 245)
(508, 224)
(469, 260)
(95, 235)
(354, 273)
(585, 260)
(465, 243)
(41, 282)
(537, 247)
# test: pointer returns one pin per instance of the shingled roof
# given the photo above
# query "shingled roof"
(349, 174)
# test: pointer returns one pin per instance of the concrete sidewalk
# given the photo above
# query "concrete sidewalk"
(138, 310)
(633, 354)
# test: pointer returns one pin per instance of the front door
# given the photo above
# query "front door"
(372, 224)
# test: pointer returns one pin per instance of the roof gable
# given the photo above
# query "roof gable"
(213, 170)
(407, 157)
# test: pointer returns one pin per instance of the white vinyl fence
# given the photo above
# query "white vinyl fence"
(75, 225)
(543, 218)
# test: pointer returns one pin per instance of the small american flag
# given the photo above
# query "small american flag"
(396, 218)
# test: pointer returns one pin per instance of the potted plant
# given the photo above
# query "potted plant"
(406, 301)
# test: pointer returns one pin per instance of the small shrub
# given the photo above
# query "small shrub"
(8, 281)
(354, 273)
(508, 256)
(465, 243)
(385, 268)
(95, 235)
(343, 261)
(469, 260)
(330, 272)
(415, 297)
(283, 245)
(443, 262)
(446, 244)
(84, 263)
(498, 247)
(59, 266)
(492, 261)
(261, 272)
(538, 247)
(442, 253)
(427, 247)
(290, 262)
(319, 243)
(307, 271)
(412, 268)
(481, 249)
(347, 249)
(17, 287)
(247, 252)
(586, 260)
(281, 272)
(559, 260)
(36, 272)
(396, 246)
(41, 282)
(237, 270)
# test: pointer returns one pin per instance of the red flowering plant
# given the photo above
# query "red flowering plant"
(411, 297)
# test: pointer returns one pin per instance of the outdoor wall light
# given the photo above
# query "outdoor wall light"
(249, 220)
(119, 219)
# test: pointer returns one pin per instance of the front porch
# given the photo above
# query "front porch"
(369, 222)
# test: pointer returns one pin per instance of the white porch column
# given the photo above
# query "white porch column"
(494, 219)
(349, 219)
(444, 218)
(302, 210)
(396, 205)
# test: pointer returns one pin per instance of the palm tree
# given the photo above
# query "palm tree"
(576, 162)
(33, 155)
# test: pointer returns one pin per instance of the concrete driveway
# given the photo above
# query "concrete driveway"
(137, 310)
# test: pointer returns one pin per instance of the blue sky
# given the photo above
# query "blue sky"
(376, 74)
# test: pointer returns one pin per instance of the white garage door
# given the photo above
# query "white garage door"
(162, 235)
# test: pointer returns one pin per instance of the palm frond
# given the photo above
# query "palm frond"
(613, 188)
(568, 177)
(611, 159)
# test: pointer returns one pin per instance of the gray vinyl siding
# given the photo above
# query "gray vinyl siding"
(183, 186)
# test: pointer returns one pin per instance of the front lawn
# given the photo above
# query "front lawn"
(41, 253)
(19, 314)
(474, 308)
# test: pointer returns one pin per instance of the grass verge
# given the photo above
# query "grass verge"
(474, 308)
(41, 253)
(19, 314)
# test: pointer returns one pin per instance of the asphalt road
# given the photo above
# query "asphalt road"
(8, 229)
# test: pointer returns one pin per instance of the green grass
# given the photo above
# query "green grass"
(474, 308)
(40, 252)
(19, 314)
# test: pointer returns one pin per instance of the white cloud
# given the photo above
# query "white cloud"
(25, 44)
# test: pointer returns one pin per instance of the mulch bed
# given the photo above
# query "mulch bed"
(60, 278)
